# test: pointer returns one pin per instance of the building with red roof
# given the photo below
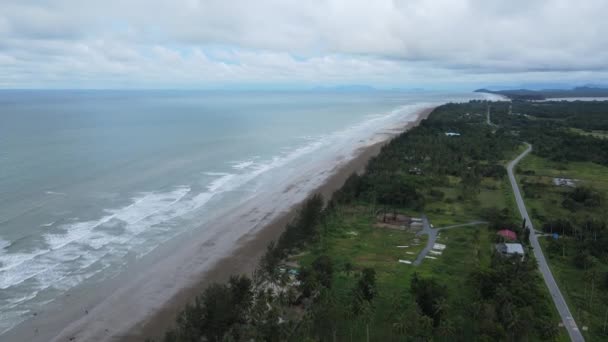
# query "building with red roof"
(507, 234)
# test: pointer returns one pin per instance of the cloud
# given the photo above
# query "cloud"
(156, 43)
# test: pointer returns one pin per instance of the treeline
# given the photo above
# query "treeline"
(563, 146)
(591, 115)
(588, 243)
(547, 126)
(411, 164)
(245, 309)
(551, 136)
(510, 304)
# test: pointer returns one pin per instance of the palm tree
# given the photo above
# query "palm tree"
(446, 329)
(401, 325)
(350, 316)
(439, 307)
(348, 268)
(366, 316)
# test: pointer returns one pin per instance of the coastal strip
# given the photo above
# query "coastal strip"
(144, 300)
(245, 258)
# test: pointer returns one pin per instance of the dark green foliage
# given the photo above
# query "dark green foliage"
(313, 280)
(350, 190)
(550, 131)
(584, 260)
(493, 170)
(582, 196)
(304, 228)
(559, 226)
(398, 192)
(323, 266)
(214, 313)
(430, 297)
(499, 218)
(366, 286)
(436, 194)
(580, 114)
(510, 303)
(474, 154)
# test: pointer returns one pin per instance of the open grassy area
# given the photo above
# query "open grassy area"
(351, 237)
(544, 199)
(592, 133)
(588, 173)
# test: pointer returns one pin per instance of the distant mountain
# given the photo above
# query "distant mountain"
(527, 94)
(347, 88)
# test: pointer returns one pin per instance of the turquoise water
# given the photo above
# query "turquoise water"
(89, 179)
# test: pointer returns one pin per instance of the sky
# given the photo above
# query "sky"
(300, 43)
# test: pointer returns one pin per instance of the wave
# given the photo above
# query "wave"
(81, 249)
(243, 164)
(55, 193)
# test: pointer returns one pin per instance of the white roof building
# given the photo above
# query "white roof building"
(511, 249)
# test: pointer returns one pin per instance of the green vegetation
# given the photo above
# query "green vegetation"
(340, 272)
(574, 209)
(593, 133)
(578, 258)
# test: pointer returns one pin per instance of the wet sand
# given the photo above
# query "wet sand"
(178, 273)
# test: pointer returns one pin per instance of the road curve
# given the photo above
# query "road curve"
(556, 295)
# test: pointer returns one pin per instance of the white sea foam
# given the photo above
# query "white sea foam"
(242, 165)
(150, 209)
(55, 193)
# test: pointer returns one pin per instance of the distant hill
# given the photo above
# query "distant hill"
(527, 94)
(347, 88)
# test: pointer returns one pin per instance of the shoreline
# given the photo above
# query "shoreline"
(162, 284)
(245, 257)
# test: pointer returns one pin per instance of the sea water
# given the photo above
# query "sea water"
(91, 179)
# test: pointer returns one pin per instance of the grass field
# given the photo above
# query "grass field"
(350, 237)
(591, 174)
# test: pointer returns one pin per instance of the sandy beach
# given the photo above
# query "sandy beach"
(133, 308)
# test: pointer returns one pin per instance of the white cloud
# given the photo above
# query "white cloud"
(210, 42)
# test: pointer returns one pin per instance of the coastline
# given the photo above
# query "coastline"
(244, 258)
(178, 272)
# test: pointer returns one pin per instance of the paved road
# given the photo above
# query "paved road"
(556, 295)
(488, 116)
(432, 233)
(472, 223)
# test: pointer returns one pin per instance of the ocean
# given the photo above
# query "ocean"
(91, 180)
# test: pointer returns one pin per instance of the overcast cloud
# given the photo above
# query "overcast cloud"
(210, 43)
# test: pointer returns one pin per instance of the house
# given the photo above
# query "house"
(565, 182)
(452, 134)
(511, 250)
(507, 234)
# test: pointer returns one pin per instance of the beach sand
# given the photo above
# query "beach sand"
(111, 312)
